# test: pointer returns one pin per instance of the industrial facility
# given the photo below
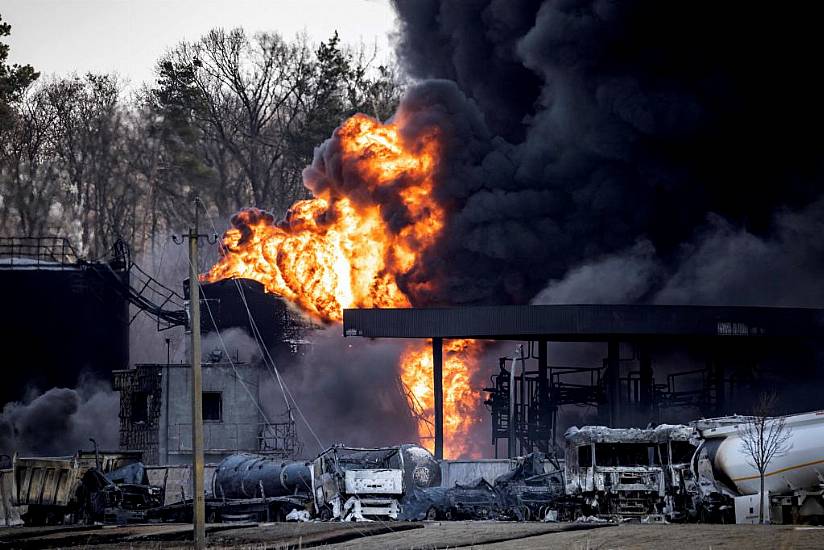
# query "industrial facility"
(542, 468)
(739, 352)
(407, 274)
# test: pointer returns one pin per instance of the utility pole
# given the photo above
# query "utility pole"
(198, 498)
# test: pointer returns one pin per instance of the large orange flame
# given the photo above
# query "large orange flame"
(337, 250)
(460, 399)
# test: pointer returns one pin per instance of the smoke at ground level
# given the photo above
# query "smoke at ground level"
(60, 421)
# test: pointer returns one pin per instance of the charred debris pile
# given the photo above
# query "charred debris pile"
(669, 473)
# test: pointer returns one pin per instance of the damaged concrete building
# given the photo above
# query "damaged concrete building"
(155, 398)
(156, 413)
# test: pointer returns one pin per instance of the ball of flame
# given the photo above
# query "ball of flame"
(338, 250)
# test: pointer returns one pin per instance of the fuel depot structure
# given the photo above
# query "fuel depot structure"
(728, 355)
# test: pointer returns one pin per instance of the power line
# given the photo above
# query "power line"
(270, 363)
(229, 357)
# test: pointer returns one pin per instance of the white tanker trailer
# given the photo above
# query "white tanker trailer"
(794, 480)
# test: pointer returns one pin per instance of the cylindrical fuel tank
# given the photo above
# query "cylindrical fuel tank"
(421, 469)
(70, 321)
(797, 468)
(245, 475)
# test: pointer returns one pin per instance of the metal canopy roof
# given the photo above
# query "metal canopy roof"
(584, 322)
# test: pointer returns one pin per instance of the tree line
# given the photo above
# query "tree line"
(231, 118)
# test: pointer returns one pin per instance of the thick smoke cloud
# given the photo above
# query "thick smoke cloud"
(233, 341)
(350, 392)
(633, 131)
(722, 265)
(61, 421)
(614, 279)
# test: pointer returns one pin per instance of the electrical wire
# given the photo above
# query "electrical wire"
(226, 349)
(284, 387)
(265, 355)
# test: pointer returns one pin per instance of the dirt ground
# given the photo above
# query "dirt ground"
(676, 537)
(485, 535)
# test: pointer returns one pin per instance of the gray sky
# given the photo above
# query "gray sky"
(128, 36)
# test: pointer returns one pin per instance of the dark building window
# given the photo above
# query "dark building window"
(140, 407)
(585, 456)
(212, 406)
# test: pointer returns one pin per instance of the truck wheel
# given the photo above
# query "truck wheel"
(431, 514)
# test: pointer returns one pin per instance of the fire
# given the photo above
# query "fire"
(460, 399)
(335, 250)
(339, 250)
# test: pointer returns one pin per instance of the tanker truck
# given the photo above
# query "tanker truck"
(355, 483)
(728, 485)
(248, 487)
(343, 483)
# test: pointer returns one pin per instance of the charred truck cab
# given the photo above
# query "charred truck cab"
(356, 484)
(631, 472)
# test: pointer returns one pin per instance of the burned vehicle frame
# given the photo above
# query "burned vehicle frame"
(532, 489)
(631, 473)
(350, 483)
(73, 490)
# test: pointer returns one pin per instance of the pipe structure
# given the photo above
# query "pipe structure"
(613, 382)
(544, 403)
(511, 441)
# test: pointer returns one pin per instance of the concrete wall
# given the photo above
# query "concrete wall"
(240, 423)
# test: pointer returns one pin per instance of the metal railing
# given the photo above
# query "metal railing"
(37, 253)
(279, 439)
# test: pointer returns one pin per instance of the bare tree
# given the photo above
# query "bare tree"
(232, 118)
(237, 99)
(28, 171)
(241, 116)
(764, 438)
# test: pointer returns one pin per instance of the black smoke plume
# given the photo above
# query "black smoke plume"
(675, 136)
(60, 421)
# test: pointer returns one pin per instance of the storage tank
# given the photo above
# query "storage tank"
(281, 328)
(801, 467)
(62, 317)
(421, 468)
(246, 475)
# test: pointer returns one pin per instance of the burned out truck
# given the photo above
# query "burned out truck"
(355, 484)
(81, 489)
(631, 472)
